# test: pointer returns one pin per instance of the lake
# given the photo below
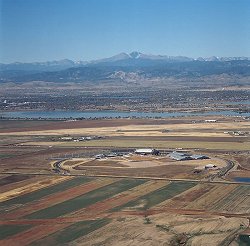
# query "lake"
(60, 114)
(246, 102)
(242, 179)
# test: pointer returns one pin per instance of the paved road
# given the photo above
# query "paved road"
(132, 177)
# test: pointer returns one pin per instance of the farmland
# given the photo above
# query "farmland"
(56, 192)
(80, 207)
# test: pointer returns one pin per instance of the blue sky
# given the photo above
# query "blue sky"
(40, 30)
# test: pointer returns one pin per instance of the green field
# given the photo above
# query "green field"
(86, 199)
(149, 200)
(36, 195)
(2, 155)
(72, 232)
(9, 230)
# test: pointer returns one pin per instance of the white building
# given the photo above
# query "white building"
(210, 121)
(147, 151)
(208, 166)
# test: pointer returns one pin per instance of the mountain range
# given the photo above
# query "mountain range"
(133, 66)
(132, 58)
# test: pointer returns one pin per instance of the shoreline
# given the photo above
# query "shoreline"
(113, 114)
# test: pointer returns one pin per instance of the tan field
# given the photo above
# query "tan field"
(197, 129)
(165, 229)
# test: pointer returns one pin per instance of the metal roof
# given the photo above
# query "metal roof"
(198, 157)
(178, 157)
(144, 150)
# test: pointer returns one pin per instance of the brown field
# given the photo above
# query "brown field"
(160, 171)
(103, 163)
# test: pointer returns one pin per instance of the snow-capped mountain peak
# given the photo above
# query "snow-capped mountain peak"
(135, 54)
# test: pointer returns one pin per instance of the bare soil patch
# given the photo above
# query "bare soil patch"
(108, 163)
(244, 160)
(167, 171)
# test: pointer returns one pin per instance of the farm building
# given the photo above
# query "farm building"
(199, 157)
(147, 151)
(210, 121)
(100, 156)
(208, 166)
(179, 156)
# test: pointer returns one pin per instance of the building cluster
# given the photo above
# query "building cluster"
(82, 138)
(109, 155)
(145, 151)
(238, 133)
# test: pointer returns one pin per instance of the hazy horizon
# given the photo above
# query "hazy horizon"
(100, 58)
(36, 31)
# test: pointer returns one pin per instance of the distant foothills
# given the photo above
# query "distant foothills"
(126, 67)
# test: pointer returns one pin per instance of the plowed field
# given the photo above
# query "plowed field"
(67, 210)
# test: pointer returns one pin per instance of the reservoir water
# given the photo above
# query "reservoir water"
(60, 114)
(242, 179)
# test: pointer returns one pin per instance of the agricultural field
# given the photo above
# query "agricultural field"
(56, 192)
(81, 210)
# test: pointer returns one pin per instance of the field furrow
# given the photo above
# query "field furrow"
(31, 235)
(186, 197)
(207, 200)
(20, 201)
(31, 187)
(121, 198)
(151, 199)
(22, 183)
(85, 200)
(38, 232)
(72, 232)
(59, 197)
(232, 200)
